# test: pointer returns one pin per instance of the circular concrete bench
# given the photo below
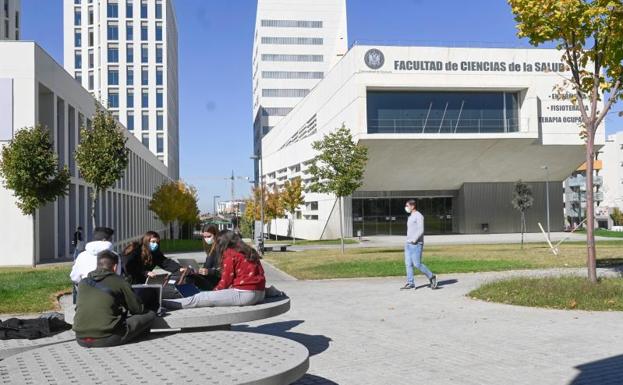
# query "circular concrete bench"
(11, 347)
(219, 357)
(209, 317)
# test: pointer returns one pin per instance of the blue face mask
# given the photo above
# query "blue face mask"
(153, 246)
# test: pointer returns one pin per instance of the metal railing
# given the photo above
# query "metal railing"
(443, 126)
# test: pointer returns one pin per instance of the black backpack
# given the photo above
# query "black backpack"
(44, 326)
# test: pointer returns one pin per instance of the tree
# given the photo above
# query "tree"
(273, 208)
(338, 168)
(175, 201)
(188, 210)
(292, 197)
(29, 167)
(590, 35)
(617, 216)
(101, 156)
(522, 201)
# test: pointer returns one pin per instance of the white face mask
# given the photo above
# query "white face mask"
(209, 241)
(408, 209)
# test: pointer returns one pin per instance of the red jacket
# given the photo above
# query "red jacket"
(239, 273)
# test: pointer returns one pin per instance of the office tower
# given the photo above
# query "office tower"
(10, 20)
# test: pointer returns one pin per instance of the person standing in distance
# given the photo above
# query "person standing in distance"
(414, 246)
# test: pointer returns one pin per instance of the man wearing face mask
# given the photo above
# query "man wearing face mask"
(414, 246)
(142, 257)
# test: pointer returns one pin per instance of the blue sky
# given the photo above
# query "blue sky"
(215, 49)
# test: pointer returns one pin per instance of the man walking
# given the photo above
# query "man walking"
(78, 242)
(414, 246)
(103, 296)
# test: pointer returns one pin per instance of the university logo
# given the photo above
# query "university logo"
(374, 59)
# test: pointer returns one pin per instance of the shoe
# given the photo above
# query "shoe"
(407, 286)
(433, 282)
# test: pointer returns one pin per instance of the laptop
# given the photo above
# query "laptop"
(151, 295)
(160, 279)
(189, 262)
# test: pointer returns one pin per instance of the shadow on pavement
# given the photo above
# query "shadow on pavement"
(310, 379)
(314, 343)
(608, 371)
(611, 263)
(440, 284)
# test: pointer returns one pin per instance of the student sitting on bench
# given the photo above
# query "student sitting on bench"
(242, 278)
(142, 257)
(103, 298)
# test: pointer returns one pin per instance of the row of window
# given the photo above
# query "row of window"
(284, 93)
(113, 98)
(112, 11)
(112, 32)
(145, 121)
(292, 23)
(276, 111)
(292, 58)
(7, 30)
(292, 40)
(292, 75)
(113, 55)
(113, 76)
(159, 141)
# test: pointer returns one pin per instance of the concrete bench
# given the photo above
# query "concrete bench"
(12, 347)
(219, 357)
(274, 247)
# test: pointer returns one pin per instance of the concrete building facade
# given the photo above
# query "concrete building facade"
(10, 20)
(34, 89)
(125, 53)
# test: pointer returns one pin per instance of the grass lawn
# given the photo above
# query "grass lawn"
(382, 262)
(180, 245)
(27, 290)
(302, 242)
(555, 292)
(608, 233)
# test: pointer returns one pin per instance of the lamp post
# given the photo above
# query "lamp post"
(261, 242)
(214, 204)
(546, 168)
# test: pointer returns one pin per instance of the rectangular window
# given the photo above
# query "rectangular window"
(78, 76)
(90, 15)
(145, 99)
(292, 23)
(130, 76)
(77, 38)
(113, 53)
(113, 31)
(129, 53)
(143, 9)
(158, 53)
(284, 93)
(113, 76)
(113, 99)
(144, 76)
(75, 2)
(77, 16)
(292, 75)
(144, 31)
(145, 139)
(130, 122)
(159, 99)
(293, 58)
(129, 9)
(158, 9)
(91, 81)
(292, 40)
(112, 10)
(91, 38)
(144, 121)
(160, 143)
(159, 121)
(130, 99)
(129, 30)
(91, 59)
(78, 60)
(158, 31)
(159, 79)
(144, 53)
(276, 111)
(16, 20)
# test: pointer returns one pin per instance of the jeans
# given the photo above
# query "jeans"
(413, 257)
(227, 297)
(135, 325)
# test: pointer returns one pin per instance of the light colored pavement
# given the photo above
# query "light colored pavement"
(366, 331)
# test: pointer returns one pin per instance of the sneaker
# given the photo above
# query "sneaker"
(433, 282)
(407, 286)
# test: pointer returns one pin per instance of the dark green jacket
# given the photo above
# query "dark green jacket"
(100, 314)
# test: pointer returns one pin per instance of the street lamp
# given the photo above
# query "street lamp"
(546, 168)
(214, 204)
(261, 242)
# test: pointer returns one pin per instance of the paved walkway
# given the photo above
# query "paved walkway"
(366, 331)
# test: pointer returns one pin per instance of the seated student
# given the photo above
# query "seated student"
(242, 278)
(143, 257)
(102, 297)
(87, 260)
(209, 275)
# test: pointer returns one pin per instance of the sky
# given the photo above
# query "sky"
(215, 53)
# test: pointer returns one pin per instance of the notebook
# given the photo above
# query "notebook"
(160, 279)
(189, 262)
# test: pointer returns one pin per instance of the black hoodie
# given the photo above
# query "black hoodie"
(100, 314)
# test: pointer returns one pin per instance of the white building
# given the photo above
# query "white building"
(125, 53)
(612, 157)
(453, 128)
(34, 89)
(10, 20)
(296, 43)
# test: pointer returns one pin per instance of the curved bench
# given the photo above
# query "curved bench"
(11, 347)
(221, 357)
(209, 317)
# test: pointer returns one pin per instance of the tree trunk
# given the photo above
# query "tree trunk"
(523, 226)
(93, 205)
(292, 229)
(341, 225)
(35, 239)
(590, 209)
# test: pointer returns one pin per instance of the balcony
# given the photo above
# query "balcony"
(443, 126)
(575, 197)
(580, 181)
